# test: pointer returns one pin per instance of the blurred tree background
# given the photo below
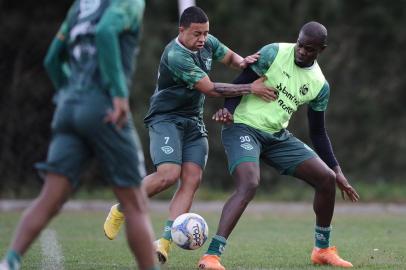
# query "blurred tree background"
(366, 116)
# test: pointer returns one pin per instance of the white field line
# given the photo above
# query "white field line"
(52, 256)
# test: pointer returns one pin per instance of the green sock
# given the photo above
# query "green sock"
(322, 236)
(217, 245)
(167, 230)
(13, 259)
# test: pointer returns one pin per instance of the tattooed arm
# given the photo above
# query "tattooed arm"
(212, 89)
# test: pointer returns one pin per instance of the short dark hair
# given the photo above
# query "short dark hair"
(191, 15)
(316, 30)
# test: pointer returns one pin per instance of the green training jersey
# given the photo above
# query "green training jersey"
(179, 70)
(295, 86)
(100, 43)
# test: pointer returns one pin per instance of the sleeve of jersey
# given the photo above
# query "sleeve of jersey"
(219, 49)
(54, 61)
(267, 56)
(320, 102)
(184, 69)
(120, 16)
(319, 137)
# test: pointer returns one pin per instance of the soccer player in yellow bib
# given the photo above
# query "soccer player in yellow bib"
(255, 129)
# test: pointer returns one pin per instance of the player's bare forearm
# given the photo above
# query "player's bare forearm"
(236, 61)
(232, 90)
(232, 59)
(206, 86)
(257, 88)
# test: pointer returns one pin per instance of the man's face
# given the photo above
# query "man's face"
(307, 49)
(194, 36)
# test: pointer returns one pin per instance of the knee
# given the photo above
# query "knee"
(248, 190)
(247, 185)
(190, 182)
(327, 181)
(168, 178)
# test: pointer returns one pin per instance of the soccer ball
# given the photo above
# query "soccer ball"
(189, 231)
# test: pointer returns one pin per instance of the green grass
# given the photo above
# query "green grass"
(260, 241)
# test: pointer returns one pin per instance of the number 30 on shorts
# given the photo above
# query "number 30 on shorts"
(245, 139)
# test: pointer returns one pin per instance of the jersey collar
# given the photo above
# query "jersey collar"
(183, 47)
(308, 68)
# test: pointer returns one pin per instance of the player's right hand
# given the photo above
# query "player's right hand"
(250, 59)
(119, 115)
(223, 116)
(259, 88)
(346, 188)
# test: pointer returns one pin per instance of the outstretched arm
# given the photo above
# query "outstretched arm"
(212, 89)
(225, 115)
(322, 145)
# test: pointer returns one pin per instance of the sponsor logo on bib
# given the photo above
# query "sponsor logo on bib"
(304, 89)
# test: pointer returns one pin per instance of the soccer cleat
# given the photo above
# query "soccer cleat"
(113, 222)
(162, 247)
(328, 256)
(210, 262)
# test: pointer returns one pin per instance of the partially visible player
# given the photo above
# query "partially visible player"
(258, 130)
(90, 62)
(178, 137)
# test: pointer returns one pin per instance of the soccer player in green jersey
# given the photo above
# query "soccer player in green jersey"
(178, 138)
(90, 62)
(255, 129)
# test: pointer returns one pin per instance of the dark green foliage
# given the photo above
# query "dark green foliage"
(366, 115)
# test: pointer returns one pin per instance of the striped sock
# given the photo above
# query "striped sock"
(217, 245)
(322, 236)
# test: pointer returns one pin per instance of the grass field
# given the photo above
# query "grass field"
(262, 240)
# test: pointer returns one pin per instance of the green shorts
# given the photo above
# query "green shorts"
(178, 140)
(280, 150)
(79, 133)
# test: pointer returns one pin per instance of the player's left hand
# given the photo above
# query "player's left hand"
(250, 59)
(119, 115)
(346, 188)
